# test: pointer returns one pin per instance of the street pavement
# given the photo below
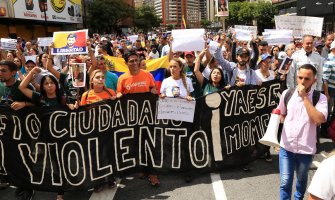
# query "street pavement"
(262, 182)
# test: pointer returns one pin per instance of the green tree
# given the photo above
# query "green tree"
(243, 13)
(145, 19)
(105, 15)
(169, 27)
(205, 23)
(264, 14)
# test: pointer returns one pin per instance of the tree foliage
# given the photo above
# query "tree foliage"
(205, 23)
(105, 15)
(243, 13)
(146, 19)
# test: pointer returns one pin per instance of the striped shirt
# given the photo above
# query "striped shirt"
(329, 71)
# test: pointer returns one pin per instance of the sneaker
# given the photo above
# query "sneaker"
(153, 179)
(4, 185)
(246, 168)
(111, 184)
(24, 194)
(268, 157)
(98, 189)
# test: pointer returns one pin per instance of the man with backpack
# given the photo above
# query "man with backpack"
(302, 110)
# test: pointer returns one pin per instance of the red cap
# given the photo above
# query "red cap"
(189, 53)
(276, 111)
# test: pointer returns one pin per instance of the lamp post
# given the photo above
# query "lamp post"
(304, 8)
(332, 3)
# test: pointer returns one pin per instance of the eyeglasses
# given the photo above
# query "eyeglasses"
(30, 66)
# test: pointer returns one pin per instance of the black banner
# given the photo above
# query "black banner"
(55, 149)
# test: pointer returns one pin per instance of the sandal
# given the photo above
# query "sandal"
(153, 179)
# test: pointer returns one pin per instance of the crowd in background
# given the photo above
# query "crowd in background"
(46, 80)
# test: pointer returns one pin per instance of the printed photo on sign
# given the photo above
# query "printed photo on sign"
(284, 65)
(77, 71)
(72, 42)
(222, 8)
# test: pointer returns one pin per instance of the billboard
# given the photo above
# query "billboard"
(221, 7)
(6, 9)
(69, 11)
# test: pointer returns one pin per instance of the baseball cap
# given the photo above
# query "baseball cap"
(264, 57)
(243, 51)
(332, 45)
(318, 43)
(263, 43)
(189, 53)
(103, 39)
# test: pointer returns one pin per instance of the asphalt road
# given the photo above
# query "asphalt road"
(262, 182)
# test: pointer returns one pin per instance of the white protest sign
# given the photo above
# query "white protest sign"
(176, 109)
(188, 40)
(300, 25)
(8, 44)
(277, 37)
(33, 58)
(213, 46)
(132, 38)
(243, 35)
(252, 29)
(44, 41)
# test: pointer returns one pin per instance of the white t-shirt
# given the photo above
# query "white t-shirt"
(261, 78)
(154, 55)
(241, 74)
(175, 88)
(323, 182)
(165, 50)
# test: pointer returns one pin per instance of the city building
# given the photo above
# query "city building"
(173, 11)
(34, 19)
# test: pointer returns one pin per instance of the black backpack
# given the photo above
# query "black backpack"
(289, 93)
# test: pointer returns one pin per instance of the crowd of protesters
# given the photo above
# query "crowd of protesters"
(46, 81)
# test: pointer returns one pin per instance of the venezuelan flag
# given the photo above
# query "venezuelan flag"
(155, 66)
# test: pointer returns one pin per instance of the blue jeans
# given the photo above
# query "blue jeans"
(288, 162)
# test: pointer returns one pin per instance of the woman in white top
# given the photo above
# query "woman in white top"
(264, 73)
(177, 85)
(323, 182)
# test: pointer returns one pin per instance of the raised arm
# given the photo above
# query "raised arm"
(20, 54)
(233, 48)
(254, 59)
(219, 57)
(170, 50)
(197, 72)
(23, 87)
(49, 63)
(93, 59)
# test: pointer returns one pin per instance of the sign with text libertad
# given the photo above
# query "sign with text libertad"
(55, 149)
